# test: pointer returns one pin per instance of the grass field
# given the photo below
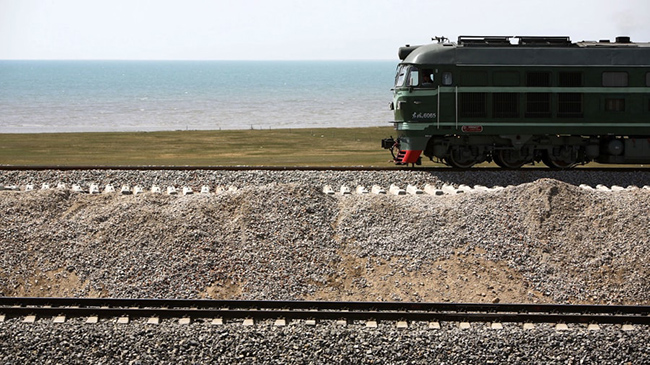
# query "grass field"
(280, 147)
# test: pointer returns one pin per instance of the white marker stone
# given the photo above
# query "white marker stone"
(376, 189)
(496, 326)
(449, 189)
(561, 327)
(396, 190)
(413, 190)
(361, 190)
(371, 324)
(601, 187)
(481, 188)
(617, 188)
(432, 190)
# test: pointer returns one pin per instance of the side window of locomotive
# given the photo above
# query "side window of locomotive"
(427, 78)
(615, 79)
(446, 78)
(414, 77)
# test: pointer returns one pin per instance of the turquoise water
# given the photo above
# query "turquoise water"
(89, 96)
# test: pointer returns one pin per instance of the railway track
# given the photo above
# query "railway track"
(232, 310)
(304, 168)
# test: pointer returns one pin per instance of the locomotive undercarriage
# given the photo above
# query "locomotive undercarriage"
(515, 151)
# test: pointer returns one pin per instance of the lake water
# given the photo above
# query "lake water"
(93, 96)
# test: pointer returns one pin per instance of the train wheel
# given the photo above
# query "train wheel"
(460, 158)
(556, 162)
(509, 159)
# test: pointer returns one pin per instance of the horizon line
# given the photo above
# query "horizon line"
(195, 60)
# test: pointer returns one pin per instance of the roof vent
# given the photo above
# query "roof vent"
(544, 41)
(623, 39)
(468, 40)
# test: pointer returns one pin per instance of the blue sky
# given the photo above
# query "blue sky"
(291, 29)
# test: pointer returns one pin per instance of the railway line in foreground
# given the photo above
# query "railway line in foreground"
(250, 311)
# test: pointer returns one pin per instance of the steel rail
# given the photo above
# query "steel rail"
(300, 168)
(231, 309)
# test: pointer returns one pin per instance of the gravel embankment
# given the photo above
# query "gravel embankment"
(541, 239)
(279, 237)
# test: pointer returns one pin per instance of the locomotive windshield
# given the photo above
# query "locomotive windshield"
(400, 77)
(412, 76)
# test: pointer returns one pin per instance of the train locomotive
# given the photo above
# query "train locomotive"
(522, 100)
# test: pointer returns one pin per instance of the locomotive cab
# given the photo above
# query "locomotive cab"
(413, 103)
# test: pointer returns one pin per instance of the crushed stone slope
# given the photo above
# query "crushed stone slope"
(541, 241)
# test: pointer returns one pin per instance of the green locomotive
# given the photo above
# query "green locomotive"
(521, 100)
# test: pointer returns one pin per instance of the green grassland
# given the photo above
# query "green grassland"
(279, 147)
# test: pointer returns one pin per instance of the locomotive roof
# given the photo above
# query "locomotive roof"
(538, 51)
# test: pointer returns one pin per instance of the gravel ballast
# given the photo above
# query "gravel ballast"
(277, 236)
(326, 343)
